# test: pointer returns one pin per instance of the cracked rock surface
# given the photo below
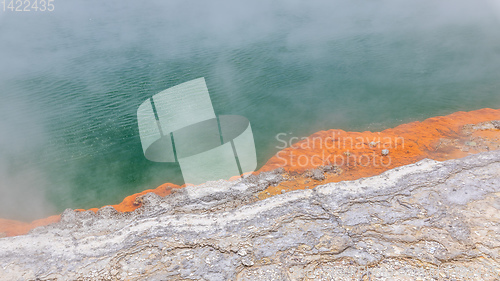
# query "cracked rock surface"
(426, 221)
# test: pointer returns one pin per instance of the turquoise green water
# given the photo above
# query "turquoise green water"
(72, 80)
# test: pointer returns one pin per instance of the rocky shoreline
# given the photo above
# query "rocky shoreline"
(336, 155)
(416, 222)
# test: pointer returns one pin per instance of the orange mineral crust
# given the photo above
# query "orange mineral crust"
(338, 155)
(13, 227)
(352, 155)
(130, 203)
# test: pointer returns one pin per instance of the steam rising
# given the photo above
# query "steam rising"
(71, 80)
(22, 182)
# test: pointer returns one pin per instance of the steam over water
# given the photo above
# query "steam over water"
(71, 80)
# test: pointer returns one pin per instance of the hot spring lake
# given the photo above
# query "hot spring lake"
(71, 81)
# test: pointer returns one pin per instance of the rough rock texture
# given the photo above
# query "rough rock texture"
(426, 221)
(350, 156)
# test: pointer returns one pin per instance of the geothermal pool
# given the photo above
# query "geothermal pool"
(71, 81)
